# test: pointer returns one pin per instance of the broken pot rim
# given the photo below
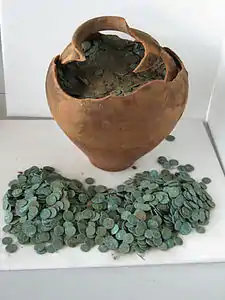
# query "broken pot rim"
(155, 82)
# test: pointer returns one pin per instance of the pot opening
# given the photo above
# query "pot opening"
(108, 68)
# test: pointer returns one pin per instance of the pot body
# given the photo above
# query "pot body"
(117, 130)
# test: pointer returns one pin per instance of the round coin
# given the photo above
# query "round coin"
(90, 180)
(103, 248)
(11, 248)
(108, 223)
(7, 240)
(45, 214)
(85, 247)
(206, 180)
(170, 138)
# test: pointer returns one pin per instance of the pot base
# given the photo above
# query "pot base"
(111, 167)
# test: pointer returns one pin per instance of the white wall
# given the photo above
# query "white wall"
(216, 116)
(35, 31)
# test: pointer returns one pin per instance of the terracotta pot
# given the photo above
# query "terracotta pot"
(115, 131)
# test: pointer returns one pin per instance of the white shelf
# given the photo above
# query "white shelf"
(40, 142)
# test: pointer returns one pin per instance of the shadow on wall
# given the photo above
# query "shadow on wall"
(2, 88)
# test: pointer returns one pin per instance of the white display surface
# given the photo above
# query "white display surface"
(33, 32)
(26, 143)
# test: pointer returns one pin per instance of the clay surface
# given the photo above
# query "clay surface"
(108, 69)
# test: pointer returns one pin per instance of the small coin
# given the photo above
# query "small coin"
(45, 213)
(85, 247)
(108, 223)
(206, 180)
(100, 188)
(128, 238)
(50, 249)
(103, 248)
(8, 217)
(170, 138)
(185, 228)
(161, 160)
(173, 162)
(57, 243)
(44, 237)
(90, 180)
(59, 230)
(189, 168)
(68, 215)
(11, 248)
(51, 199)
(125, 215)
(72, 242)
(101, 231)
(178, 241)
(140, 215)
(40, 248)
(124, 248)
(7, 228)
(7, 240)
(115, 229)
(70, 231)
(200, 229)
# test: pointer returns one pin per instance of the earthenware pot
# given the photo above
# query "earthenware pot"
(115, 131)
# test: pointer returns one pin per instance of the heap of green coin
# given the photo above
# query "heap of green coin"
(150, 210)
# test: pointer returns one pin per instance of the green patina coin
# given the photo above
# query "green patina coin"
(7, 240)
(125, 215)
(72, 242)
(173, 162)
(147, 211)
(108, 223)
(8, 217)
(161, 160)
(70, 231)
(111, 243)
(185, 228)
(128, 238)
(85, 247)
(100, 189)
(68, 215)
(40, 248)
(115, 229)
(50, 249)
(103, 248)
(120, 234)
(90, 180)
(189, 168)
(170, 138)
(44, 237)
(7, 228)
(124, 248)
(45, 214)
(90, 230)
(166, 233)
(11, 248)
(206, 180)
(178, 241)
(57, 244)
(200, 229)
(148, 234)
(101, 231)
(59, 230)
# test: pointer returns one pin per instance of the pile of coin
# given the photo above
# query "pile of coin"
(154, 209)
